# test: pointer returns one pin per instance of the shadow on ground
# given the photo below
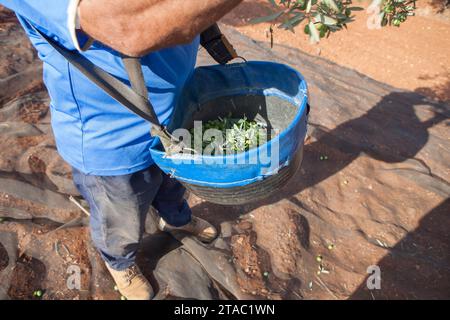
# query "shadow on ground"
(417, 251)
(390, 132)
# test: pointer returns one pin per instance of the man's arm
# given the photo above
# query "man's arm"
(137, 27)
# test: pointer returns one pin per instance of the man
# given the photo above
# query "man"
(107, 145)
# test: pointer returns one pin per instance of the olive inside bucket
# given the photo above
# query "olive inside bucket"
(265, 92)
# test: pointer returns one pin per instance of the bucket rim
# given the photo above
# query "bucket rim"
(302, 112)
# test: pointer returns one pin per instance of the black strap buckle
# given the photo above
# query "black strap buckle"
(217, 45)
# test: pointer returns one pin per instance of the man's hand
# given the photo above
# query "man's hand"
(137, 27)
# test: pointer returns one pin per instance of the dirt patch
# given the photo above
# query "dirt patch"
(258, 263)
(4, 260)
(47, 260)
(287, 231)
(28, 276)
(34, 111)
(246, 258)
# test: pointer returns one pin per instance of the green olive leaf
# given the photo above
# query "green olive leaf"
(268, 18)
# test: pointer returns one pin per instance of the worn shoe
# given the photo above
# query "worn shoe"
(199, 228)
(131, 283)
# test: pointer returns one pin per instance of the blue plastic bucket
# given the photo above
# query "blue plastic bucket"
(272, 92)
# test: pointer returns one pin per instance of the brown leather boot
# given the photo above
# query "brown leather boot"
(131, 283)
(201, 229)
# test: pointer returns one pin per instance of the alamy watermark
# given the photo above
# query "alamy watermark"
(374, 279)
(74, 279)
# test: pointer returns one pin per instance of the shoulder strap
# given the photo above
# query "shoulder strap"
(135, 102)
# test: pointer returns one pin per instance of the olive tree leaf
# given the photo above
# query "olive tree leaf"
(331, 4)
(355, 8)
(293, 22)
(329, 21)
(268, 18)
(330, 15)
